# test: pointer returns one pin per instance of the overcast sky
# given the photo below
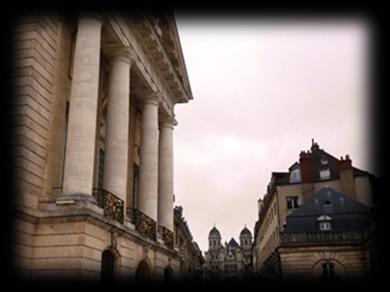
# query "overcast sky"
(262, 90)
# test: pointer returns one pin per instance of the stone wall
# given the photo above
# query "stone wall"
(349, 261)
(35, 46)
(63, 249)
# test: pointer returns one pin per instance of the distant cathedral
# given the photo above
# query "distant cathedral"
(231, 259)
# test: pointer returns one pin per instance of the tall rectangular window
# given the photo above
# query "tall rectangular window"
(135, 185)
(101, 168)
(65, 138)
(328, 271)
(292, 202)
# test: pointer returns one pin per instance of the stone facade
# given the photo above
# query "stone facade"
(92, 118)
(277, 253)
(231, 260)
(191, 263)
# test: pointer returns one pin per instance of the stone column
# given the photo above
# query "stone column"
(80, 144)
(117, 137)
(165, 174)
(148, 176)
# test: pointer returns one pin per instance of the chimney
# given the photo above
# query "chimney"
(346, 176)
(314, 145)
(306, 166)
(345, 164)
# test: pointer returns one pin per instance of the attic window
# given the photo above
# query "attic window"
(295, 176)
(324, 223)
(325, 226)
(325, 174)
(324, 160)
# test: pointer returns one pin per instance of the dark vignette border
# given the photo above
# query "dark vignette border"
(375, 16)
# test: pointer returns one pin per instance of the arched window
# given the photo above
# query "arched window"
(108, 266)
(143, 272)
(168, 274)
(328, 269)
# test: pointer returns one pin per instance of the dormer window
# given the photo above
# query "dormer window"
(325, 226)
(324, 223)
(295, 176)
(324, 160)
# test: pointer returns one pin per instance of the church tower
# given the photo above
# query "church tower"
(246, 246)
(214, 258)
(214, 239)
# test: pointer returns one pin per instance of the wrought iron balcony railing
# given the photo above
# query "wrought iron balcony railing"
(145, 225)
(167, 236)
(322, 237)
(112, 206)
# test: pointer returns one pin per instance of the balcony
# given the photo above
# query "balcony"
(167, 236)
(145, 225)
(112, 206)
(324, 237)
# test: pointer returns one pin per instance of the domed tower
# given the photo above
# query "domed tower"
(214, 256)
(246, 246)
(214, 238)
(245, 238)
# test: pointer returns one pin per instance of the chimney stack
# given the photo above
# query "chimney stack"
(346, 176)
(345, 164)
(306, 166)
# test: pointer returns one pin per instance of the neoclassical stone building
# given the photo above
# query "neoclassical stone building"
(92, 144)
(191, 262)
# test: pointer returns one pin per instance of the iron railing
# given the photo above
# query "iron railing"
(167, 236)
(323, 237)
(145, 225)
(112, 206)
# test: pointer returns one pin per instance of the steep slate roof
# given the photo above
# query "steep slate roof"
(316, 155)
(333, 164)
(233, 243)
(346, 213)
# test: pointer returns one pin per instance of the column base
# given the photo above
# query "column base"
(71, 201)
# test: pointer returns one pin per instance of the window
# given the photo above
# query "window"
(107, 266)
(324, 223)
(325, 226)
(71, 55)
(65, 138)
(328, 203)
(324, 160)
(292, 202)
(101, 168)
(295, 176)
(325, 174)
(135, 184)
(328, 271)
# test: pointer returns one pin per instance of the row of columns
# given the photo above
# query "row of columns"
(156, 157)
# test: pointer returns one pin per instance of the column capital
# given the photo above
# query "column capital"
(121, 54)
(167, 122)
(91, 15)
(151, 98)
